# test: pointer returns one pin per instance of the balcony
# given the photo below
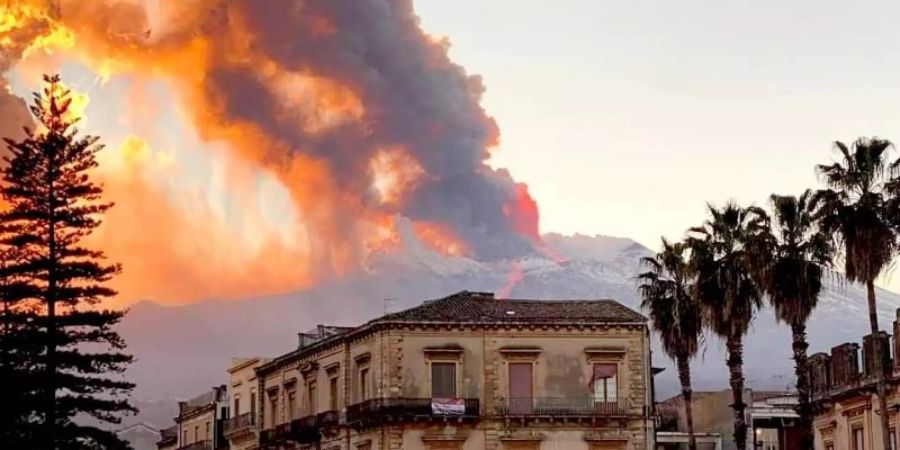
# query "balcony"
(329, 419)
(305, 430)
(201, 445)
(244, 423)
(272, 436)
(384, 410)
(563, 408)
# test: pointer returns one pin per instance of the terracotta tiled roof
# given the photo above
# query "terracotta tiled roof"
(481, 307)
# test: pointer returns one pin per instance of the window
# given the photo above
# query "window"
(892, 435)
(273, 401)
(196, 433)
(604, 383)
(253, 406)
(829, 446)
(291, 404)
(184, 439)
(443, 380)
(333, 393)
(237, 406)
(364, 383)
(311, 397)
(857, 439)
(207, 431)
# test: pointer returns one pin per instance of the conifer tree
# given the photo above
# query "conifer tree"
(18, 347)
(52, 206)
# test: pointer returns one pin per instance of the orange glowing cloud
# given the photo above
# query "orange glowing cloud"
(355, 121)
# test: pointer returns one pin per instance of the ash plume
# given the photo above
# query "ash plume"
(349, 105)
(414, 97)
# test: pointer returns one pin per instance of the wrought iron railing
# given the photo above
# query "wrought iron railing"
(329, 419)
(305, 429)
(401, 408)
(238, 423)
(562, 407)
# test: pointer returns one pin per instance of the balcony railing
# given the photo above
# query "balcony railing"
(305, 429)
(379, 410)
(239, 423)
(201, 445)
(563, 407)
(329, 419)
(280, 433)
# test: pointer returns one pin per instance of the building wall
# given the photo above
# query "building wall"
(196, 427)
(834, 424)
(398, 361)
(713, 414)
(243, 386)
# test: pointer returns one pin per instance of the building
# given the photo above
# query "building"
(466, 372)
(199, 423)
(168, 438)
(140, 436)
(240, 429)
(774, 420)
(844, 395)
(771, 416)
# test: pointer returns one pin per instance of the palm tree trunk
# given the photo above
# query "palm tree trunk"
(735, 347)
(804, 408)
(879, 368)
(684, 375)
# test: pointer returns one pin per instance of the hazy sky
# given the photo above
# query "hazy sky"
(625, 117)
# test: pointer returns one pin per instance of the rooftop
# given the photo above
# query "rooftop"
(480, 307)
(205, 400)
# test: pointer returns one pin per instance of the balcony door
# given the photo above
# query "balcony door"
(521, 387)
(443, 380)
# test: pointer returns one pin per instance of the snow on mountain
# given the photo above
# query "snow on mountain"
(182, 350)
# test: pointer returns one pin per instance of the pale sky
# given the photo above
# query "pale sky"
(625, 117)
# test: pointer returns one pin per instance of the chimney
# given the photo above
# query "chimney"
(820, 373)
(845, 364)
(869, 352)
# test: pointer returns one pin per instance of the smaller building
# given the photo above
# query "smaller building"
(168, 438)
(140, 436)
(199, 425)
(775, 420)
(771, 416)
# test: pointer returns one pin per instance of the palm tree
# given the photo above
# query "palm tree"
(797, 257)
(723, 256)
(855, 210)
(666, 293)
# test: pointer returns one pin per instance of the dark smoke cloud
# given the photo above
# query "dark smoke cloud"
(14, 116)
(413, 94)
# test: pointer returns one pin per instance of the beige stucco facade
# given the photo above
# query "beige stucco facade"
(240, 429)
(328, 395)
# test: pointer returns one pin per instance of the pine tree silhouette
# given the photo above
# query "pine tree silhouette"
(75, 359)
